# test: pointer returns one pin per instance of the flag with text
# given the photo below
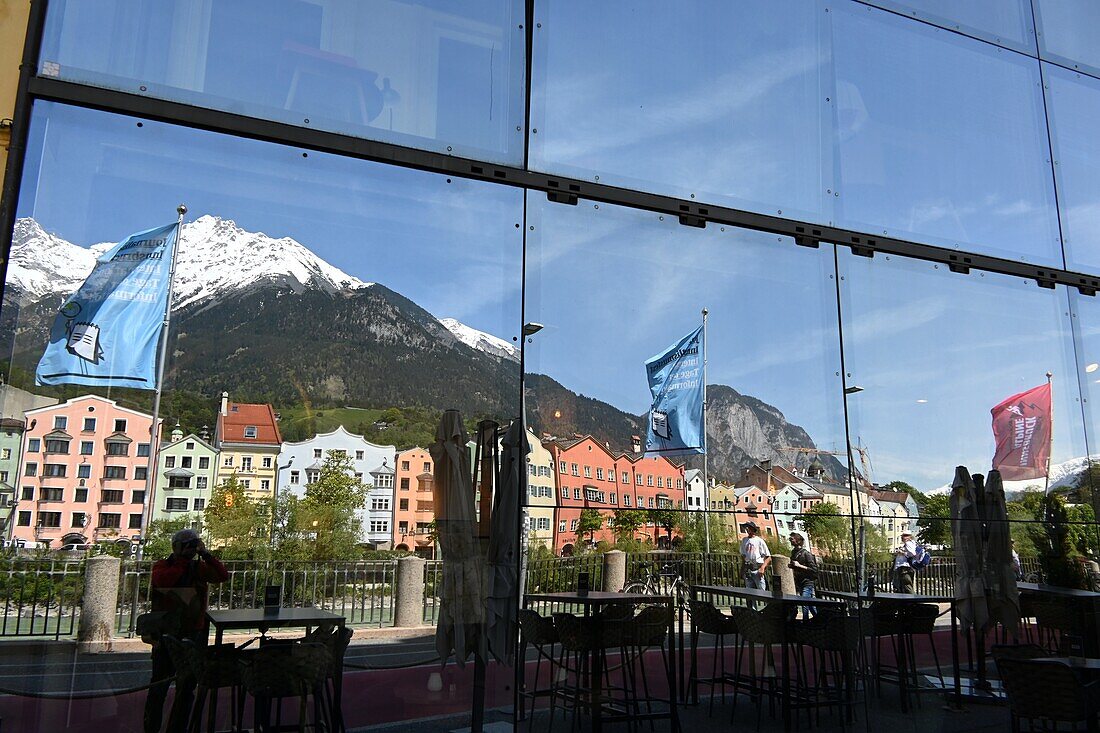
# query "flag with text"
(1021, 429)
(675, 375)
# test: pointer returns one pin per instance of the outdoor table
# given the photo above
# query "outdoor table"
(1086, 604)
(592, 600)
(786, 600)
(912, 599)
(262, 619)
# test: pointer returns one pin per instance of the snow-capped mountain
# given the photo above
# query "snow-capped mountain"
(216, 258)
(480, 340)
(1062, 476)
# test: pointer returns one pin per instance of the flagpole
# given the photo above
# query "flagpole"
(706, 476)
(1050, 441)
(154, 431)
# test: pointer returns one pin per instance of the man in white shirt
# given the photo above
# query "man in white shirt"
(756, 557)
(904, 580)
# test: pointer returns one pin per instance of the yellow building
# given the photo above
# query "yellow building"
(248, 440)
(540, 494)
(13, 26)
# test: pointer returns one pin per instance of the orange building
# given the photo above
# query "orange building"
(590, 476)
(413, 509)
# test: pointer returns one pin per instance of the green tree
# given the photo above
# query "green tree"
(827, 530)
(158, 544)
(664, 518)
(934, 524)
(692, 527)
(327, 514)
(1052, 538)
(589, 522)
(236, 524)
(626, 524)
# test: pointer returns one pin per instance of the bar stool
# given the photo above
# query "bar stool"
(273, 673)
(213, 670)
(707, 619)
(336, 639)
(539, 632)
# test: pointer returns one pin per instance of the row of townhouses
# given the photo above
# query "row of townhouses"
(75, 472)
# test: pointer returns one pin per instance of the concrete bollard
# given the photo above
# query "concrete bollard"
(408, 592)
(100, 604)
(781, 567)
(614, 571)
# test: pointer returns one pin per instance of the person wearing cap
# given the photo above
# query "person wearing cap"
(756, 556)
(904, 580)
(804, 570)
(179, 585)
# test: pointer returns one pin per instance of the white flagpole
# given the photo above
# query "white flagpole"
(706, 476)
(154, 430)
(1050, 430)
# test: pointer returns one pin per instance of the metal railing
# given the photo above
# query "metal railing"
(361, 592)
(40, 597)
(433, 584)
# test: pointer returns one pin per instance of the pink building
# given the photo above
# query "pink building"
(85, 463)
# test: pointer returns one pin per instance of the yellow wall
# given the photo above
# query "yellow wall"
(13, 28)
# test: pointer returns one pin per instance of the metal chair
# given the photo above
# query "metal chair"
(707, 619)
(1047, 694)
(273, 673)
(213, 669)
(539, 632)
(336, 639)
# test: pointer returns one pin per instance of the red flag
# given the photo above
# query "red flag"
(1021, 429)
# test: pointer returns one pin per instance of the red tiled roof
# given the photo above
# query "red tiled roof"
(240, 415)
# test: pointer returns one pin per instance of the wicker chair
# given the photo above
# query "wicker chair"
(767, 629)
(213, 669)
(707, 619)
(832, 640)
(539, 632)
(581, 639)
(919, 620)
(1046, 694)
(336, 639)
(300, 670)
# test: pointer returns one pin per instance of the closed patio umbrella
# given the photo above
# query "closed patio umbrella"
(460, 625)
(966, 530)
(1002, 595)
(503, 545)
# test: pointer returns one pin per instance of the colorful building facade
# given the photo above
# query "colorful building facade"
(414, 509)
(187, 469)
(248, 440)
(540, 494)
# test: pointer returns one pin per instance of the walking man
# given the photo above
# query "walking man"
(804, 570)
(756, 556)
(904, 580)
(179, 594)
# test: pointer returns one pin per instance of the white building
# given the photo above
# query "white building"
(540, 494)
(300, 463)
(694, 490)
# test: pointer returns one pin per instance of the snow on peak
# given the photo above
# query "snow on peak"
(1063, 475)
(216, 256)
(480, 340)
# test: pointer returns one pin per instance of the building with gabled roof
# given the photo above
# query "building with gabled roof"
(187, 467)
(248, 440)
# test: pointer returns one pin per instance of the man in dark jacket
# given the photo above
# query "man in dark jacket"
(804, 570)
(179, 590)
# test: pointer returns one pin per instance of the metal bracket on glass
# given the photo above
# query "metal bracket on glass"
(860, 251)
(561, 197)
(806, 242)
(693, 221)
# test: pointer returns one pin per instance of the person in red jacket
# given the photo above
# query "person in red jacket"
(180, 585)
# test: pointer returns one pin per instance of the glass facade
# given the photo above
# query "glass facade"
(533, 202)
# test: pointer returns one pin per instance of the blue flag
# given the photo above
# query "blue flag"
(676, 382)
(107, 333)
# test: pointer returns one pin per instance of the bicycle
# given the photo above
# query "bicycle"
(663, 581)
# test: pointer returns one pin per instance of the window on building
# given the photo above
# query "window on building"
(169, 461)
(24, 519)
(649, 480)
(200, 504)
(120, 426)
(86, 447)
(562, 468)
(265, 484)
(204, 463)
(114, 472)
(54, 445)
(266, 462)
(614, 498)
(33, 445)
(403, 528)
(179, 482)
(404, 465)
(5, 454)
(404, 484)
(117, 448)
(599, 474)
(577, 494)
(294, 477)
(141, 473)
(185, 462)
(49, 519)
(81, 495)
(89, 425)
(138, 496)
(60, 422)
(638, 479)
(110, 521)
(80, 519)
(250, 431)
(143, 450)
(403, 505)
(111, 496)
(626, 499)
(50, 493)
(54, 470)
(565, 492)
(573, 525)
(312, 476)
(227, 461)
(358, 455)
(246, 484)
(189, 446)
(660, 482)
(561, 526)
(201, 482)
(380, 504)
(135, 521)
(176, 504)
(532, 470)
(246, 463)
(574, 469)
(31, 469)
(427, 467)
(588, 471)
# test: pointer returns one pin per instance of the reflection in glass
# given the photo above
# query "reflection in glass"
(1004, 23)
(431, 75)
(941, 138)
(727, 103)
(1073, 105)
(935, 352)
(1067, 32)
(613, 287)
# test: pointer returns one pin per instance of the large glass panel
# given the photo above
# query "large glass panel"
(437, 75)
(1073, 105)
(941, 138)
(1067, 33)
(722, 102)
(326, 312)
(1006, 23)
